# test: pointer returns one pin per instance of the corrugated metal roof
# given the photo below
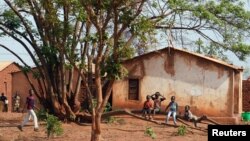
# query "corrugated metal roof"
(4, 64)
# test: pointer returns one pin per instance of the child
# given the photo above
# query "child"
(30, 103)
(173, 109)
(5, 103)
(190, 117)
(147, 106)
(157, 102)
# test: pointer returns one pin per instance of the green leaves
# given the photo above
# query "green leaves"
(178, 4)
(150, 132)
(241, 50)
(54, 126)
(36, 75)
(42, 114)
(21, 3)
(125, 16)
(10, 20)
(142, 27)
(113, 70)
(182, 130)
(26, 69)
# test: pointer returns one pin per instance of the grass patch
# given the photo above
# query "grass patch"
(150, 132)
(182, 130)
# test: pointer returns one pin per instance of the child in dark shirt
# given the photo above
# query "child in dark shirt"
(5, 102)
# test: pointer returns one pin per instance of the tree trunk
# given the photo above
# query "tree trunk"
(96, 127)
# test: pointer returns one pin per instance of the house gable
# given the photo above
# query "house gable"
(6, 68)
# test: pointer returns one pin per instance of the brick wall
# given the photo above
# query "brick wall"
(246, 95)
(6, 82)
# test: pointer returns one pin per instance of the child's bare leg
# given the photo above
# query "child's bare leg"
(143, 113)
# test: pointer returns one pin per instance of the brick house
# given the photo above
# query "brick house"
(23, 88)
(209, 86)
(246, 95)
(6, 68)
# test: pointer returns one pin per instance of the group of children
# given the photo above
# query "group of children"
(155, 107)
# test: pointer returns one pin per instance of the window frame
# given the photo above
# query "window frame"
(133, 95)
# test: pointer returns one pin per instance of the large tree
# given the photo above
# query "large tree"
(67, 36)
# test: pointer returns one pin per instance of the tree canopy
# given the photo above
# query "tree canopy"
(67, 36)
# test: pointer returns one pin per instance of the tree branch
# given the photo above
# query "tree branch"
(17, 56)
(28, 29)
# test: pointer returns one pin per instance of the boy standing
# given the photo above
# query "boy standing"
(173, 109)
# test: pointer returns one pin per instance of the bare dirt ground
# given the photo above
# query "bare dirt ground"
(124, 128)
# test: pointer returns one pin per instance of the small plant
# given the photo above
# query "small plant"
(54, 126)
(107, 108)
(150, 132)
(111, 119)
(42, 114)
(182, 130)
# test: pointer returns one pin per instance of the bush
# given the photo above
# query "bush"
(150, 132)
(42, 115)
(107, 108)
(54, 126)
(182, 130)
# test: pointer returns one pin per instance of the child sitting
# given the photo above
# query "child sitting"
(190, 117)
(147, 107)
(157, 98)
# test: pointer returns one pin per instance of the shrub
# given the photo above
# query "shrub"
(182, 130)
(150, 132)
(42, 115)
(107, 108)
(54, 126)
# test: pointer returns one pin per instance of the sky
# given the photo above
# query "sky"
(7, 56)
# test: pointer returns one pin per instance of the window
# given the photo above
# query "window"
(133, 92)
